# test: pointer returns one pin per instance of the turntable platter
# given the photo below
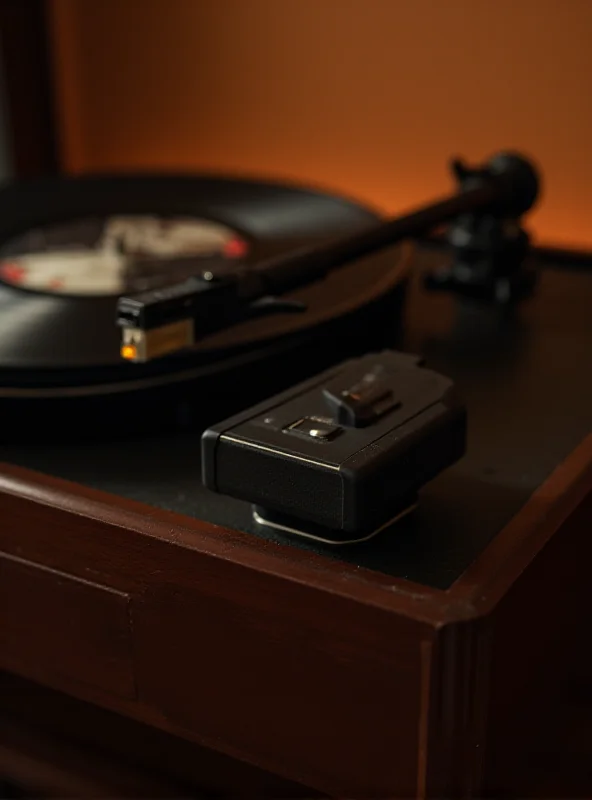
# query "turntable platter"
(69, 247)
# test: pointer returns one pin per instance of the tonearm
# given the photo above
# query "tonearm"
(489, 265)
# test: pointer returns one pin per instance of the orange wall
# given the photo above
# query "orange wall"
(370, 97)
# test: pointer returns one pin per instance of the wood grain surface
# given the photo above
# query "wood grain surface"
(305, 667)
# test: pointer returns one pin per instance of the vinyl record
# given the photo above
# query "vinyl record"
(68, 250)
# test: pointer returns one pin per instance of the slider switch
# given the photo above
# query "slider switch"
(363, 402)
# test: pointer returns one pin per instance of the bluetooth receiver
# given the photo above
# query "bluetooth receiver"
(342, 455)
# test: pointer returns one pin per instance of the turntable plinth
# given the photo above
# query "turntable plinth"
(449, 663)
(314, 671)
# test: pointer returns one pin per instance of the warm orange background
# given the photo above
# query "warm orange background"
(370, 97)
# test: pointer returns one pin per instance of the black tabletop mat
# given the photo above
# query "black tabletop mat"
(528, 389)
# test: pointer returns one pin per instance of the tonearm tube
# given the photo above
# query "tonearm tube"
(490, 246)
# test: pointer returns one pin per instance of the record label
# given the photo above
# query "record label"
(112, 255)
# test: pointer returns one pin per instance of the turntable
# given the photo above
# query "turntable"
(440, 658)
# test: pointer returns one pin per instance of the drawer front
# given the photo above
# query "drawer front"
(55, 624)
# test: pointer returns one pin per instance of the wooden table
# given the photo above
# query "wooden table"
(148, 651)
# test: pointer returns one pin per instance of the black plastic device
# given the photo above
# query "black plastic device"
(342, 455)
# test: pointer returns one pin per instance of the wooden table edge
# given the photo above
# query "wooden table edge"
(472, 595)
